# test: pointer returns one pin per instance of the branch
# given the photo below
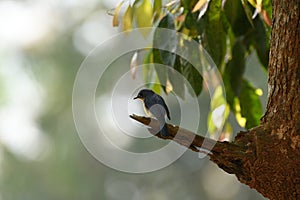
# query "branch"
(187, 138)
(235, 157)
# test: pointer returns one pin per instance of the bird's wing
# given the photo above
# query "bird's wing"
(162, 109)
(167, 110)
(159, 113)
(161, 101)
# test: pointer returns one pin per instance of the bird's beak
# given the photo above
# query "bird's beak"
(135, 98)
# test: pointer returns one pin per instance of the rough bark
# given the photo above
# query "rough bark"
(267, 157)
(271, 163)
(276, 168)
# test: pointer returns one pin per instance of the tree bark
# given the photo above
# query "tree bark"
(271, 163)
(277, 164)
(267, 157)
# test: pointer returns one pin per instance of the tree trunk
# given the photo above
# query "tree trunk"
(272, 164)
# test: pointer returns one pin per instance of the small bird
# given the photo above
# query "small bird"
(155, 105)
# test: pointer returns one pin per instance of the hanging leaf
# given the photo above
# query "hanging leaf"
(253, 3)
(166, 41)
(199, 5)
(157, 6)
(214, 37)
(116, 14)
(236, 17)
(266, 18)
(169, 86)
(202, 6)
(233, 73)
(235, 68)
(149, 76)
(259, 6)
(176, 78)
(134, 64)
(261, 42)
(191, 23)
(161, 71)
(147, 72)
(250, 104)
(237, 112)
(143, 15)
(248, 11)
(203, 9)
(189, 4)
(193, 76)
(267, 11)
(156, 87)
(127, 19)
(219, 112)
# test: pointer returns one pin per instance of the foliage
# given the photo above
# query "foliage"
(229, 30)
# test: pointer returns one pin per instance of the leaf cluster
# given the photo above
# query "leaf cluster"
(229, 30)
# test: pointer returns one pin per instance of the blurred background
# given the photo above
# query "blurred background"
(42, 45)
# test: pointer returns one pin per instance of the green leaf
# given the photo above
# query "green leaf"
(148, 69)
(127, 19)
(233, 73)
(149, 75)
(164, 41)
(190, 20)
(218, 98)
(237, 112)
(261, 42)
(161, 71)
(189, 4)
(236, 16)
(229, 92)
(157, 6)
(250, 105)
(214, 33)
(116, 14)
(267, 6)
(235, 68)
(167, 22)
(148, 58)
(143, 15)
(191, 23)
(219, 111)
(248, 11)
(156, 87)
(190, 72)
(176, 79)
(193, 76)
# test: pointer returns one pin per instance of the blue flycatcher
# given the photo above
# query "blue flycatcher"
(155, 105)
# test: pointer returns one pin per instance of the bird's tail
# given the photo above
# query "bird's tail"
(164, 130)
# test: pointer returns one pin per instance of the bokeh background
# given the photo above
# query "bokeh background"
(42, 45)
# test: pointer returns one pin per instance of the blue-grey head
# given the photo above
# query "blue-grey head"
(143, 94)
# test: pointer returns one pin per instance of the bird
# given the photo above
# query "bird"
(154, 105)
